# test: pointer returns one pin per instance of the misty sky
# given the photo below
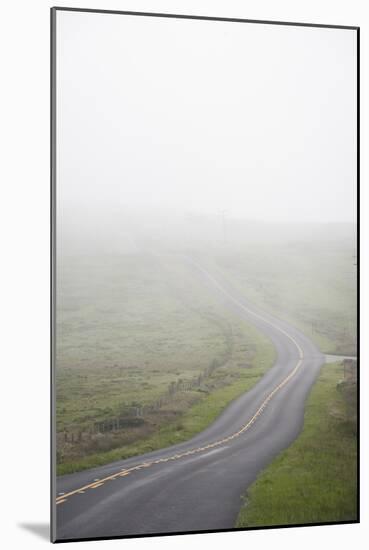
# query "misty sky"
(200, 116)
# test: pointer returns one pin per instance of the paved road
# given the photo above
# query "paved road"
(197, 485)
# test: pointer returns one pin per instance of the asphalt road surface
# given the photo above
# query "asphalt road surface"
(197, 485)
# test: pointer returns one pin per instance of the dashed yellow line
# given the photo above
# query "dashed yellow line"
(243, 429)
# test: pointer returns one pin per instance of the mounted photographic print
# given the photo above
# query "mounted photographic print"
(204, 178)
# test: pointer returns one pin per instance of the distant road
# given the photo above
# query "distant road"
(197, 485)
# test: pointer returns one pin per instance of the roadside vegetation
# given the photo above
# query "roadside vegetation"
(184, 425)
(314, 480)
(146, 357)
(307, 278)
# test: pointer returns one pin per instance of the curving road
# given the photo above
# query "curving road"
(197, 485)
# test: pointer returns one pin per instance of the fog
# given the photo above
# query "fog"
(182, 129)
(205, 216)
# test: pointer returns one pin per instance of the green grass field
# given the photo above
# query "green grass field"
(311, 285)
(142, 341)
(314, 480)
(130, 331)
(188, 423)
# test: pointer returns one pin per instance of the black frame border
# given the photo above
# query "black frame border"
(53, 162)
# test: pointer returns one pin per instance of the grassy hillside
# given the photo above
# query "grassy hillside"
(141, 341)
(311, 284)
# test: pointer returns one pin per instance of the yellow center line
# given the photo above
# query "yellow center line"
(243, 429)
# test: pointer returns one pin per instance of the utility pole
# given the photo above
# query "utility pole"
(223, 212)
